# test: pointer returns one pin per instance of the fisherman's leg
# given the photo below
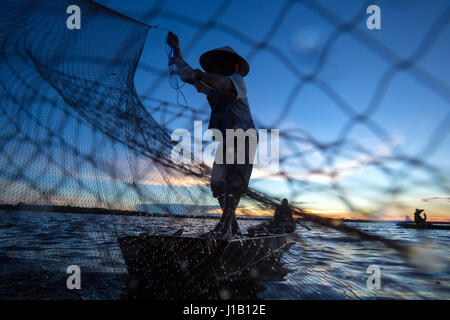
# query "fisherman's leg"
(235, 230)
(219, 225)
(238, 177)
(228, 183)
(217, 183)
(236, 185)
(245, 172)
(229, 226)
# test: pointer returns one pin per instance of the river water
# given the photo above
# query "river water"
(36, 249)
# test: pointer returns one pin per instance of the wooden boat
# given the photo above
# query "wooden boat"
(270, 227)
(188, 266)
(145, 253)
(427, 226)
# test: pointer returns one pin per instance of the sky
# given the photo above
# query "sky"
(412, 105)
(312, 76)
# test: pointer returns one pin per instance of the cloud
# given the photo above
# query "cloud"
(324, 173)
(303, 202)
(436, 198)
(144, 172)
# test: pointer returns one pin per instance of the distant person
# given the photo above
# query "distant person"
(283, 213)
(418, 218)
(282, 222)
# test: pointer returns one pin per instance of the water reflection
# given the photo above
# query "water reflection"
(36, 248)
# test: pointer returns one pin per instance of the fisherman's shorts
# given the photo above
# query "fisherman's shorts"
(232, 178)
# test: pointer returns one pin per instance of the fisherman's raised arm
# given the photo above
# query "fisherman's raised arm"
(183, 69)
(203, 81)
(215, 81)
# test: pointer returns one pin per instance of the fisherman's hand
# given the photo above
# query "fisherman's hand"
(176, 60)
(197, 75)
(172, 40)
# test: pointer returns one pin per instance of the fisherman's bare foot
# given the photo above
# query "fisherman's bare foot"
(236, 231)
(232, 236)
(213, 234)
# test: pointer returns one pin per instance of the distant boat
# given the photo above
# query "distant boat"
(426, 226)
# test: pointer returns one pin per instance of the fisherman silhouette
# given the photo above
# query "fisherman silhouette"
(281, 223)
(283, 213)
(418, 218)
(226, 92)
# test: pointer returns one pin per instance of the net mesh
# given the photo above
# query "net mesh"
(76, 135)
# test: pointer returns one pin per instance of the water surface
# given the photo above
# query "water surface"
(36, 249)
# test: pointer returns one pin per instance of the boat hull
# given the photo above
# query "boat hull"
(427, 226)
(194, 267)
